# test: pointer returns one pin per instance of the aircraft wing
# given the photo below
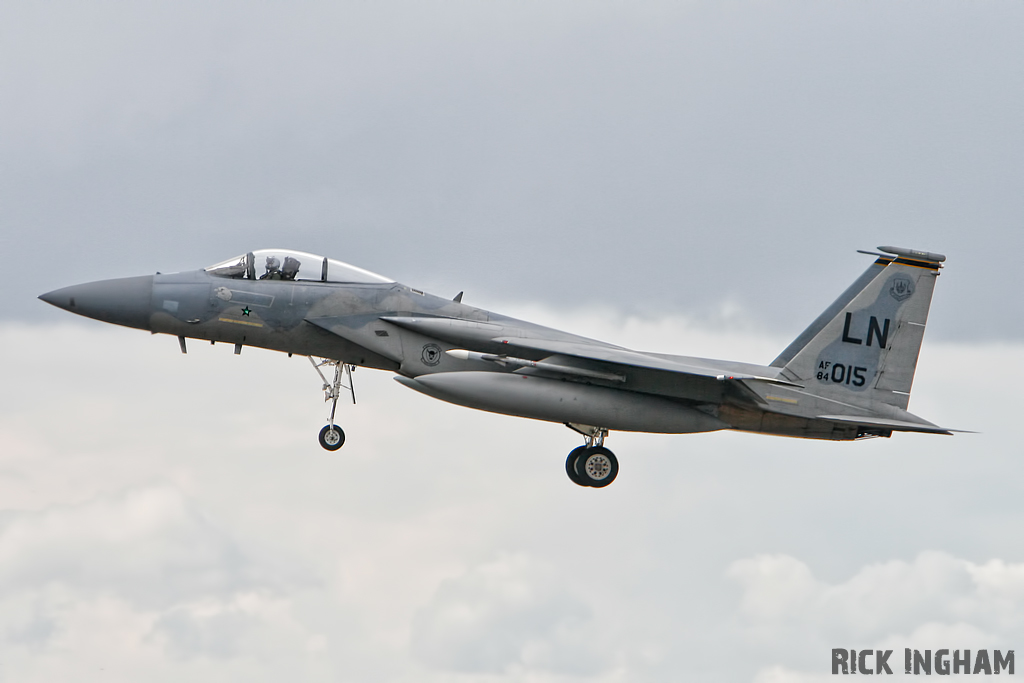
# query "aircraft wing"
(488, 338)
(626, 357)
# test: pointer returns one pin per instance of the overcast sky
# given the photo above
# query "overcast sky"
(686, 177)
(666, 157)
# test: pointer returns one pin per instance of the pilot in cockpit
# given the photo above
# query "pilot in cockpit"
(273, 269)
(290, 269)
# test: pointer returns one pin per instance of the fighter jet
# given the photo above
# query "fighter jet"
(847, 376)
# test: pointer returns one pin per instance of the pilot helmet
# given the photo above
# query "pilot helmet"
(273, 264)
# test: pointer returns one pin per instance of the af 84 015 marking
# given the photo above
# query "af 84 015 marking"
(837, 372)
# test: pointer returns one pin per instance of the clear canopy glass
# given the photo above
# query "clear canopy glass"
(287, 264)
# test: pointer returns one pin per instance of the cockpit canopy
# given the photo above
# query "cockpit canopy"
(290, 265)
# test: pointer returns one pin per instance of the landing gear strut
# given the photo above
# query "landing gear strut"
(332, 437)
(592, 464)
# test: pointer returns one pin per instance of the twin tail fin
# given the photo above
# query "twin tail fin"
(864, 347)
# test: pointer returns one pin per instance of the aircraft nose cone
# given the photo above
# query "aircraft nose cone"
(125, 301)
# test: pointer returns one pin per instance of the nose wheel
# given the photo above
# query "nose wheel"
(332, 437)
(591, 465)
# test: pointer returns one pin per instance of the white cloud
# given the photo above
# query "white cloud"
(775, 586)
(935, 601)
(148, 545)
(179, 521)
(224, 628)
(881, 598)
(510, 614)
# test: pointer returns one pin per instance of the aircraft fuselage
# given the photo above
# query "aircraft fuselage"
(846, 377)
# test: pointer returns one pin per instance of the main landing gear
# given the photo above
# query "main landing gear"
(591, 464)
(332, 437)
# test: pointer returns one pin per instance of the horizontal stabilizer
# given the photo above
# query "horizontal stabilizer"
(884, 423)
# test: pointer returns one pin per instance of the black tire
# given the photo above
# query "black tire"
(332, 438)
(597, 467)
(570, 465)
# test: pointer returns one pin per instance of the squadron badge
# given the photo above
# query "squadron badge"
(901, 288)
(431, 354)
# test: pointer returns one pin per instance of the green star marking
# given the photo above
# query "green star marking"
(246, 311)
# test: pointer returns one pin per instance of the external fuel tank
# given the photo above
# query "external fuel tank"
(563, 401)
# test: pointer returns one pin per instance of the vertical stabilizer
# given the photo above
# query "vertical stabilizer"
(829, 313)
(864, 348)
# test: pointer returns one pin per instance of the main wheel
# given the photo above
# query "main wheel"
(570, 465)
(597, 467)
(332, 437)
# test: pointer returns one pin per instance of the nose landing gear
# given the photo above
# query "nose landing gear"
(591, 465)
(332, 437)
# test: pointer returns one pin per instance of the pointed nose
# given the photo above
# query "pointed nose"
(125, 301)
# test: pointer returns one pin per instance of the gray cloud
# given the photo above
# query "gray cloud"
(676, 156)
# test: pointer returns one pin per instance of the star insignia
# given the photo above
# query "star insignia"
(246, 311)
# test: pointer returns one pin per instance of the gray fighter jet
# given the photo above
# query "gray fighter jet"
(847, 376)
